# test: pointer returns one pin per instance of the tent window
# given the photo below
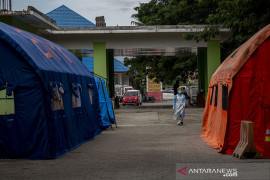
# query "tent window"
(6, 103)
(76, 99)
(211, 99)
(216, 96)
(224, 97)
(90, 91)
(57, 100)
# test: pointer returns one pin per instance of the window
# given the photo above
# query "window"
(57, 100)
(216, 95)
(130, 94)
(224, 97)
(211, 99)
(90, 91)
(6, 103)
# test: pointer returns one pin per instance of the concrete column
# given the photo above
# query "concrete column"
(100, 59)
(213, 59)
(104, 64)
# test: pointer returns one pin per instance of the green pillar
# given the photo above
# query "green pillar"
(213, 59)
(100, 59)
(104, 64)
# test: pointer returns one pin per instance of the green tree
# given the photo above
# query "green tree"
(174, 12)
(77, 53)
(170, 12)
(163, 68)
(243, 17)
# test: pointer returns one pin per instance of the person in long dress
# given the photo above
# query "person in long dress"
(179, 103)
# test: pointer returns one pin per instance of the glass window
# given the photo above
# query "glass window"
(6, 103)
(224, 97)
(130, 94)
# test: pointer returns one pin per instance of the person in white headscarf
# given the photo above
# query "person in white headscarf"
(179, 103)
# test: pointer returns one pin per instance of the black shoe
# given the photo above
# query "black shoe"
(182, 123)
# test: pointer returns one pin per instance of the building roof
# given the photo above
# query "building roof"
(66, 17)
(118, 65)
(89, 63)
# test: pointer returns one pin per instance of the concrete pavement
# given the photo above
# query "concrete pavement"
(146, 145)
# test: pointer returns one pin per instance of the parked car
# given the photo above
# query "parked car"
(120, 90)
(132, 97)
(127, 88)
(168, 90)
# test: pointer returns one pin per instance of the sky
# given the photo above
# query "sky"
(116, 12)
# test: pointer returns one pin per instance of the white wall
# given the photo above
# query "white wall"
(124, 79)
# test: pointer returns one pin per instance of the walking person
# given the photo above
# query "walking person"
(179, 103)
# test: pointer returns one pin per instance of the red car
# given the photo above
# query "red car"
(132, 97)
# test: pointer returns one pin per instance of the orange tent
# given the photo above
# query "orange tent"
(239, 90)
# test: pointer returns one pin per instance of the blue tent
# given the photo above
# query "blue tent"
(49, 102)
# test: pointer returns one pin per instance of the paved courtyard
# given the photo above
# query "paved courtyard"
(146, 145)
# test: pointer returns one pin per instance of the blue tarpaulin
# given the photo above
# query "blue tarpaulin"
(106, 109)
(56, 99)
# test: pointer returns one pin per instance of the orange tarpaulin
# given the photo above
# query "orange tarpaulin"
(244, 76)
